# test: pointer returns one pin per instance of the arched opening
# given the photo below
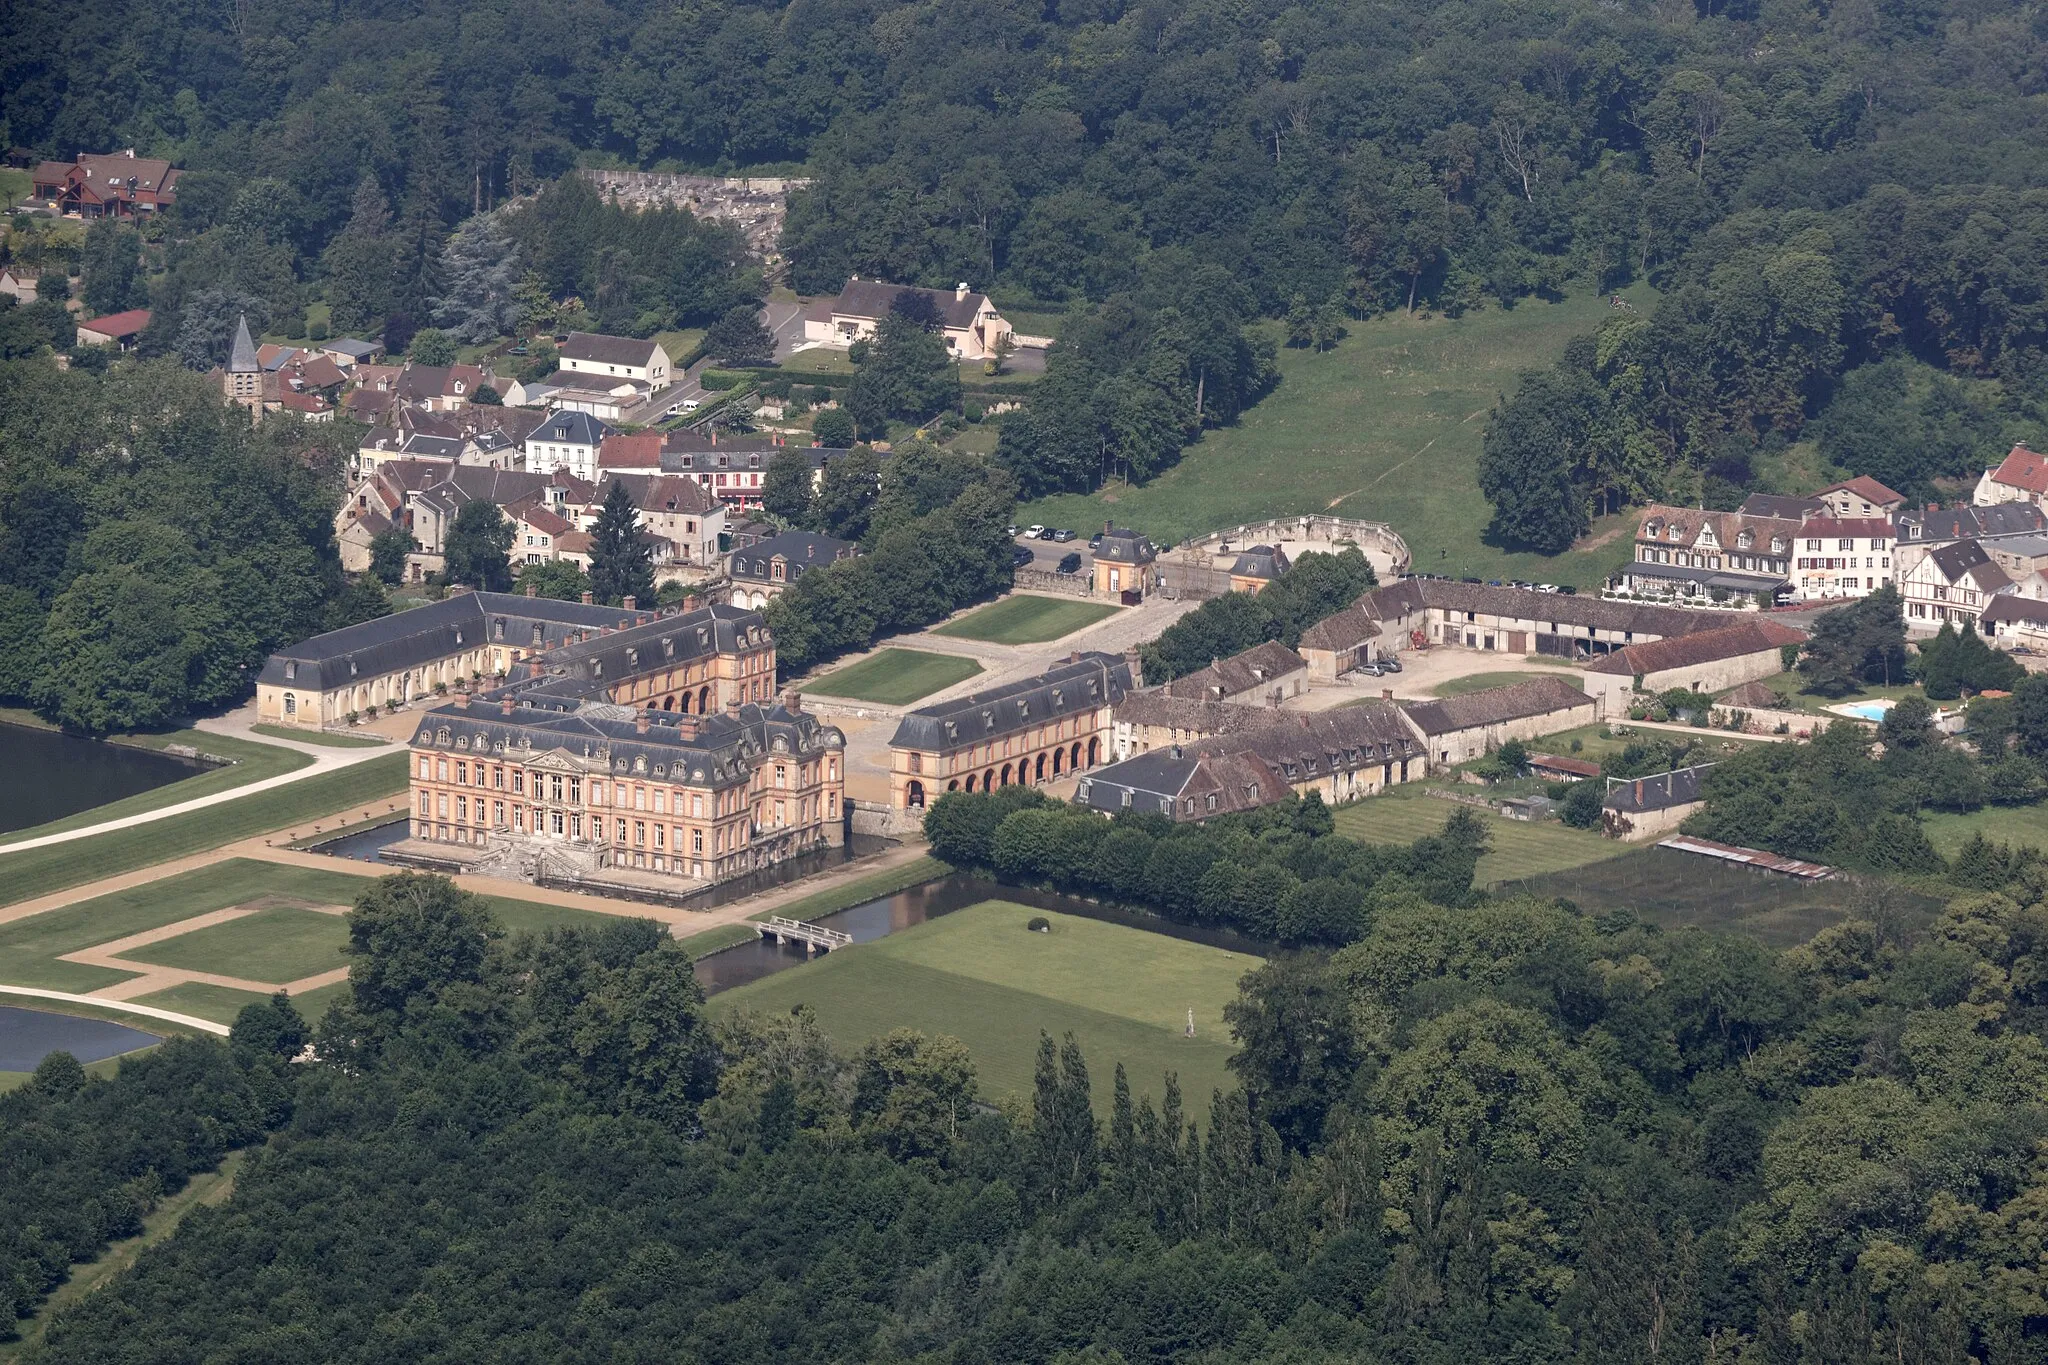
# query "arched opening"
(1038, 773)
(1006, 774)
(970, 781)
(914, 795)
(668, 703)
(1074, 758)
(988, 780)
(1094, 752)
(954, 785)
(1059, 761)
(703, 700)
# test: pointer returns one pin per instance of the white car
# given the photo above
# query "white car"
(691, 404)
(1034, 533)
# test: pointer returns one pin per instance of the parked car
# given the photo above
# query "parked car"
(1021, 557)
(1062, 537)
(1390, 664)
(691, 404)
(1071, 563)
(1034, 533)
(1095, 541)
(1371, 669)
(1012, 533)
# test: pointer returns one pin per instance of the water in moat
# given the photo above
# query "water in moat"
(56, 775)
(28, 1036)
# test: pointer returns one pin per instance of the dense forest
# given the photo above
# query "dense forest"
(1486, 1129)
(1816, 191)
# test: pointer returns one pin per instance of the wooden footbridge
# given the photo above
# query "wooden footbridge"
(815, 938)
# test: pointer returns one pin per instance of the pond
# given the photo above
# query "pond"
(53, 775)
(28, 1036)
(888, 914)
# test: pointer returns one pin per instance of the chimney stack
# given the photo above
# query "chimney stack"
(732, 707)
(960, 290)
(632, 602)
(505, 706)
(589, 598)
(1386, 694)
(692, 602)
(1639, 791)
(793, 701)
(1108, 526)
(640, 723)
(1135, 663)
(462, 700)
(688, 725)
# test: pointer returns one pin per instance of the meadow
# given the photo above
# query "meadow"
(892, 677)
(980, 976)
(1519, 848)
(1386, 426)
(1022, 619)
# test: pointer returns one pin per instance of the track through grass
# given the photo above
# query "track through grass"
(1519, 848)
(1386, 426)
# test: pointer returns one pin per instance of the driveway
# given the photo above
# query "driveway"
(786, 321)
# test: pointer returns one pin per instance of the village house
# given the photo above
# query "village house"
(736, 471)
(970, 324)
(1153, 719)
(20, 283)
(348, 352)
(1955, 583)
(1339, 643)
(763, 570)
(1266, 674)
(585, 793)
(106, 185)
(1706, 661)
(1843, 557)
(645, 363)
(541, 535)
(119, 330)
(1914, 533)
(567, 441)
(1647, 806)
(1783, 506)
(2016, 620)
(2022, 476)
(1125, 562)
(1860, 498)
(1029, 732)
(1684, 552)
(1460, 729)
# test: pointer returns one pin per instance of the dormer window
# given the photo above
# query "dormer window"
(291, 669)
(1673, 534)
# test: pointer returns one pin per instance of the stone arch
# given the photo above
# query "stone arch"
(1094, 752)
(1059, 761)
(668, 703)
(954, 785)
(1074, 757)
(988, 780)
(914, 794)
(1038, 774)
(703, 701)
(970, 781)
(1006, 774)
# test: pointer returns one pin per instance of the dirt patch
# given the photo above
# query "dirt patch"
(1601, 541)
(282, 903)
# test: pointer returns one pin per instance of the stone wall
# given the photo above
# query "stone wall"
(1064, 584)
(1369, 535)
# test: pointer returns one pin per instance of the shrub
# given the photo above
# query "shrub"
(317, 331)
(1039, 925)
(719, 380)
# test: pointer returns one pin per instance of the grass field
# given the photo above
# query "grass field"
(2015, 825)
(253, 763)
(1386, 426)
(202, 1000)
(1022, 619)
(281, 943)
(895, 676)
(42, 870)
(1479, 682)
(1520, 849)
(978, 975)
(30, 947)
(332, 741)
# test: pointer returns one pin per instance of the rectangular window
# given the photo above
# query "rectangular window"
(696, 841)
(441, 770)
(639, 832)
(441, 804)
(519, 781)
(426, 767)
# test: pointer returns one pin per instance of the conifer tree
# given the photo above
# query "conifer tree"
(479, 282)
(621, 564)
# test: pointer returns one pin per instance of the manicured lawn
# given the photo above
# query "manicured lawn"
(253, 763)
(1479, 682)
(1787, 685)
(978, 975)
(282, 943)
(1387, 427)
(677, 344)
(1023, 619)
(895, 676)
(30, 947)
(818, 360)
(202, 1000)
(14, 186)
(42, 870)
(332, 741)
(819, 904)
(1520, 849)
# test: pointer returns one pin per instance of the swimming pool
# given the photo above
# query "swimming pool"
(1864, 710)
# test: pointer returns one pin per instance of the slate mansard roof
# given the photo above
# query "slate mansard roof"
(569, 672)
(716, 750)
(408, 639)
(1083, 683)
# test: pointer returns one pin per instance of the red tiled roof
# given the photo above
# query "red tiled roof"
(639, 451)
(1866, 488)
(119, 324)
(1706, 646)
(2023, 468)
